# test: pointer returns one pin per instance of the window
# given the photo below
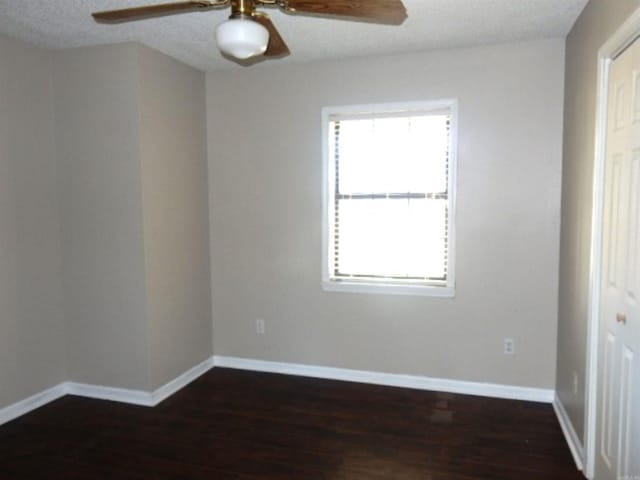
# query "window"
(389, 177)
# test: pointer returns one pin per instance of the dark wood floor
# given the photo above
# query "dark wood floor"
(234, 425)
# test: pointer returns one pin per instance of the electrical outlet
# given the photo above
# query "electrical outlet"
(575, 383)
(509, 346)
(260, 326)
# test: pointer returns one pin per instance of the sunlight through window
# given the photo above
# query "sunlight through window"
(389, 202)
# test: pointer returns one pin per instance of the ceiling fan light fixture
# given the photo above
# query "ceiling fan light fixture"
(242, 38)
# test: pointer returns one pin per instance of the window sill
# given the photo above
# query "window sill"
(388, 289)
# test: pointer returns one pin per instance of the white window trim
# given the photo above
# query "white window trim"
(355, 286)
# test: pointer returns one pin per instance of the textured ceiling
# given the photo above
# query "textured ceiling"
(432, 24)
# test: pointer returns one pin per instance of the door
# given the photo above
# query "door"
(618, 428)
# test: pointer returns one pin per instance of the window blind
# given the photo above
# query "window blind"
(389, 205)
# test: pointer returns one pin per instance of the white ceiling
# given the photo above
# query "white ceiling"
(432, 24)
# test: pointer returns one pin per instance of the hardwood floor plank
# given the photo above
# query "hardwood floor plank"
(236, 425)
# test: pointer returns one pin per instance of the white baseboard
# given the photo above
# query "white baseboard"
(124, 395)
(113, 394)
(390, 379)
(574, 442)
(150, 399)
(22, 407)
(180, 382)
(141, 397)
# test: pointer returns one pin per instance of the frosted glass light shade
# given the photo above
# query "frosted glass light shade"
(242, 38)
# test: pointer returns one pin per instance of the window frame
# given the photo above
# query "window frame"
(395, 287)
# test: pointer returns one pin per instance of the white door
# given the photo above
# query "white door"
(618, 428)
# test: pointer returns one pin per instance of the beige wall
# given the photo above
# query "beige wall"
(596, 24)
(97, 138)
(133, 187)
(32, 333)
(265, 210)
(176, 226)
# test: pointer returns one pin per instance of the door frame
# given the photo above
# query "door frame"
(618, 43)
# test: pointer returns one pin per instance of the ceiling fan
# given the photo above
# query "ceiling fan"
(249, 32)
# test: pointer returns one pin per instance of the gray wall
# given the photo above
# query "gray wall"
(265, 210)
(597, 23)
(174, 186)
(32, 336)
(97, 135)
(131, 150)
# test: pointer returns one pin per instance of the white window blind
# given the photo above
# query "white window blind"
(389, 199)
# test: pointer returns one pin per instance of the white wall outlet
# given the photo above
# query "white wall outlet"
(576, 383)
(509, 346)
(260, 326)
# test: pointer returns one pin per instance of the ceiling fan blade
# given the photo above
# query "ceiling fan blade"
(149, 11)
(391, 12)
(277, 46)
